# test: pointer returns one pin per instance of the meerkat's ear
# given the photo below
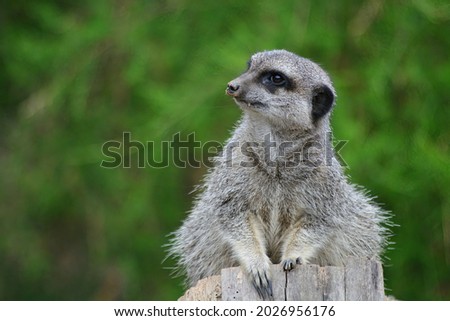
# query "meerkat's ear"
(322, 101)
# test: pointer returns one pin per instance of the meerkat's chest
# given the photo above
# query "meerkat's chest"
(277, 212)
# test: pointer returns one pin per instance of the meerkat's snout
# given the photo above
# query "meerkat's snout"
(232, 89)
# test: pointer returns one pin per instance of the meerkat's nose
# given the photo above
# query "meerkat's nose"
(232, 89)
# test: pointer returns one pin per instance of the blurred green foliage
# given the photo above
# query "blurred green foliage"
(77, 74)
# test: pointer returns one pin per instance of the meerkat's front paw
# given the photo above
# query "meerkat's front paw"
(260, 279)
(263, 285)
(289, 264)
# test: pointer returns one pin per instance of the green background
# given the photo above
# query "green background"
(76, 74)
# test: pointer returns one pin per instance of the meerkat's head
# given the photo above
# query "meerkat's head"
(288, 91)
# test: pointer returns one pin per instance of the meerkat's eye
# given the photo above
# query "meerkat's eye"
(274, 79)
(277, 79)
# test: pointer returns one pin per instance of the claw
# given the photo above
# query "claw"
(288, 265)
(263, 286)
(258, 289)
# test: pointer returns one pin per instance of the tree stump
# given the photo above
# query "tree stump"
(358, 280)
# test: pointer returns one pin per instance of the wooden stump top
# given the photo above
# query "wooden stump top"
(358, 280)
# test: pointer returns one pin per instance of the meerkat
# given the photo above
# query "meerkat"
(277, 193)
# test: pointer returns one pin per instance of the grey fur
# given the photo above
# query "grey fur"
(286, 206)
